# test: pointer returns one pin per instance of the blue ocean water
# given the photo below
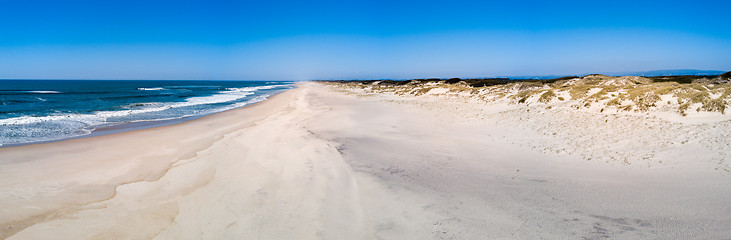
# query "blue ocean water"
(45, 110)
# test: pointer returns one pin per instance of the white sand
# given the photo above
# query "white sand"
(324, 163)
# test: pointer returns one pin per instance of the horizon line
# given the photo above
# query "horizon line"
(535, 76)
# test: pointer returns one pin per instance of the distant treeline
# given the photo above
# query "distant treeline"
(474, 82)
(485, 82)
(684, 78)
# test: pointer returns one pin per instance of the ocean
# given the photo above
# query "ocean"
(34, 111)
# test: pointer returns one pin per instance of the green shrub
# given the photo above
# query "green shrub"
(679, 79)
(726, 75)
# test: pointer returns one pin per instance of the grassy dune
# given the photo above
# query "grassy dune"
(680, 94)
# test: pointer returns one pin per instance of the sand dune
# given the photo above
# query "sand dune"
(329, 162)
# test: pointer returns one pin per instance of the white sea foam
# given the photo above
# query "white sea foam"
(193, 86)
(150, 89)
(101, 117)
(28, 129)
(251, 101)
(43, 91)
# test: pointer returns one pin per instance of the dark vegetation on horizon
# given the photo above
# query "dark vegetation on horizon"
(682, 78)
(486, 82)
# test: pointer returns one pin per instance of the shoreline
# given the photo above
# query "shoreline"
(43, 160)
(136, 125)
(328, 162)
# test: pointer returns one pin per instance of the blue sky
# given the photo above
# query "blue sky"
(283, 40)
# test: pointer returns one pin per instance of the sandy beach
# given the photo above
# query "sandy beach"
(330, 162)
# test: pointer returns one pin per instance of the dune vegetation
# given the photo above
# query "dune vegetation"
(680, 94)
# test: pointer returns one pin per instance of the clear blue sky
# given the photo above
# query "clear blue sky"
(278, 40)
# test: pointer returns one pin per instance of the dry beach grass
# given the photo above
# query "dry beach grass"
(611, 111)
